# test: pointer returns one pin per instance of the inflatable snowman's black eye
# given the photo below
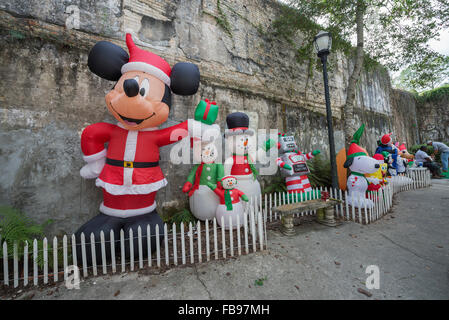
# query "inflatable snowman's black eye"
(144, 87)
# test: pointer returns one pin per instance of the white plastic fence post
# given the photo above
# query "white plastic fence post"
(113, 263)
(139, 244)
(94, 256)
(35, 271)
(16, 264)
(158, 247)
(25, 264)
(131, 249)
(55, 259)
(5, 264)
(275, 204)
(207, 241)
(103, 252)
(198, 230)
(83, 254)
(150, 258)
(271, 206)
(192, 258)
(65, 256)
(45, 252)
(183, 244)
(122, 250)
(167, 258)
(74, 257)
(175, 248)
(223, 238)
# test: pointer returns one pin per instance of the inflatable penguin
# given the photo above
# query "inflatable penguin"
(230, 205)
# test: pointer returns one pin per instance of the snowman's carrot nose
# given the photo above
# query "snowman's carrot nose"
(245, 143)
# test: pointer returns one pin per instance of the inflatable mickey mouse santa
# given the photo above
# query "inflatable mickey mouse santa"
(128, 169)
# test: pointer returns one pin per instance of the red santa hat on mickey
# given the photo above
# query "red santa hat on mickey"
(386, 138)
(145, 61)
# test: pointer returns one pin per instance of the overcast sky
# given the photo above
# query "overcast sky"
(441, 46)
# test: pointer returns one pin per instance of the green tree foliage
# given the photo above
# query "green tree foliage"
(429, 73)
(393, 32)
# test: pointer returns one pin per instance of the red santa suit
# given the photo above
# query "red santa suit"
(131, 175)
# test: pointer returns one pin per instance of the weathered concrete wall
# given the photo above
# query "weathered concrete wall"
(433, 119)
(48, 95)
(405, 120)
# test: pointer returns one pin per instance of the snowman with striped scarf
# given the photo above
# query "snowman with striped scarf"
(230, 205)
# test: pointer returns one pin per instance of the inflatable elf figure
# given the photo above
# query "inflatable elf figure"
(293, 165)
(230, 205)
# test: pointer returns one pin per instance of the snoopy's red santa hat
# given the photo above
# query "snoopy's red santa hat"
(386, 138)
(145, 61)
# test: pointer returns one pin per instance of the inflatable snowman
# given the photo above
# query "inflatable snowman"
(202, 200)
(360, 164)
(230, 205)
(244, 153)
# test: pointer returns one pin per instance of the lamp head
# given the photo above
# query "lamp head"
(322, 43)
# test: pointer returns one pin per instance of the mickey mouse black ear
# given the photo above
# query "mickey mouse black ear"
(106, 60)
(185, 78)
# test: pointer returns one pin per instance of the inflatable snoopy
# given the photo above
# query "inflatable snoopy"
(359, 163)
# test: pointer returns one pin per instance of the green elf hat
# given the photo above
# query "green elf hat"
(354, 149)
(206, 111)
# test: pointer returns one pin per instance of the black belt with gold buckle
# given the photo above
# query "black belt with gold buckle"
(131, 164)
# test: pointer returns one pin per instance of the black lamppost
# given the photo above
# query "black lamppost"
(323, 44)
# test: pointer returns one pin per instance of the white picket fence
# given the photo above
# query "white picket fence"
(203, 241)
(415, 178)
(45, 261)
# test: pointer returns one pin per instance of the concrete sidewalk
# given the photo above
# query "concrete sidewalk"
(410, 246)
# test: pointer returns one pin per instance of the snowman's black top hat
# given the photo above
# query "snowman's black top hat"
(238, 123)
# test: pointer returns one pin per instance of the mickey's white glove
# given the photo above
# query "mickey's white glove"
(94, 166)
